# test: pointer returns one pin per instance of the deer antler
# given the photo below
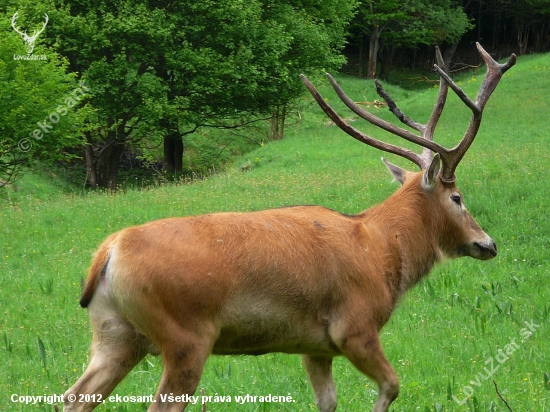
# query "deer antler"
(13, 22)
(35, 35)
(450, 157)
(490, 82)
(29, 40)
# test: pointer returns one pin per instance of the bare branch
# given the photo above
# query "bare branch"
(500, 396)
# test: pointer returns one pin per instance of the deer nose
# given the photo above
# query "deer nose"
(488, 249)
(492, 248)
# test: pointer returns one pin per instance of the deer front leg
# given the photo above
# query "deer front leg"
(319, 370)
(365, 352)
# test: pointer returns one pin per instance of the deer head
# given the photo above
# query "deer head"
(459, 234)
(29, 40)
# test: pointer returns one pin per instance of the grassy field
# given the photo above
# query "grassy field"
(440, 340)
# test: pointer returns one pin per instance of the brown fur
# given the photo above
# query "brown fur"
(304, 280)
(96, 271)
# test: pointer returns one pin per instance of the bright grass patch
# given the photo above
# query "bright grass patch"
(440, 338)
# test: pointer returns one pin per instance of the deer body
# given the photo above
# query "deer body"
(274, 280)
(304, 280)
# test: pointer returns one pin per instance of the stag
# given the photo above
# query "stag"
(305, 280)
(29, 40)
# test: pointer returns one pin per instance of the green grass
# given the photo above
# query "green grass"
(39, 182)
(438, 339)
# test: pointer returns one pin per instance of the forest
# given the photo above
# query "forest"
(111, 92)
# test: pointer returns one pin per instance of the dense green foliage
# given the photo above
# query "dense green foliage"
(528, 20)
(438, 340)
(163, 69)
(158, 71)
(408, 30)
(406, 23)
(40, 113)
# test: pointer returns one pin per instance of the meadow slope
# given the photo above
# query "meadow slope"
(439, 340)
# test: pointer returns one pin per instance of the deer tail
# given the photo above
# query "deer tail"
(97, 271)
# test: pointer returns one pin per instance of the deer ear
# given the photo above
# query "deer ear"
(429, 179)
(397, 173)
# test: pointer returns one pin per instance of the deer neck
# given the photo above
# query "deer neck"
(408, 228)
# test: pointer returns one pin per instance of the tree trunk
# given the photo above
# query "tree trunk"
(90, 163)
(363, 51)
(277, 123)
(448, 56)
(112, 163)
(173, 147)
(542, 37)
(385, 57)
(361, 57)
(374, 44)
(107, 163)
(114, 159)
(168, 164)
(523, 37)
(173, 153)
(102, 168)
(496, 31)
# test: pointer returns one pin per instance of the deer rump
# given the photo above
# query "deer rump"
(270, 281)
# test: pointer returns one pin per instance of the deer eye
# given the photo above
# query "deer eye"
(456, 198)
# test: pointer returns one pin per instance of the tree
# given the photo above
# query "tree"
(158, 70)
(39, 102)
(524, 22)
(408, 23)
(539, 20)
(314, 34)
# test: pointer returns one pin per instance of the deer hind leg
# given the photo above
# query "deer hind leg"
(319, 370)
(184, 357)
(365, 352)
(116, 349)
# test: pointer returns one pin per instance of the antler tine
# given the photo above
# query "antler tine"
(396, 111)
(356, 134)
(426, 155)
(495, 71)
(45, 23)
(13, 24)
(438, 108)
(424, 159)
(427, 131)
(441, 99)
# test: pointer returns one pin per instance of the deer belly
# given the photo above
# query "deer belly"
(272, 327)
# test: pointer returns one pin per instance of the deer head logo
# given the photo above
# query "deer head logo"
(29, 40)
